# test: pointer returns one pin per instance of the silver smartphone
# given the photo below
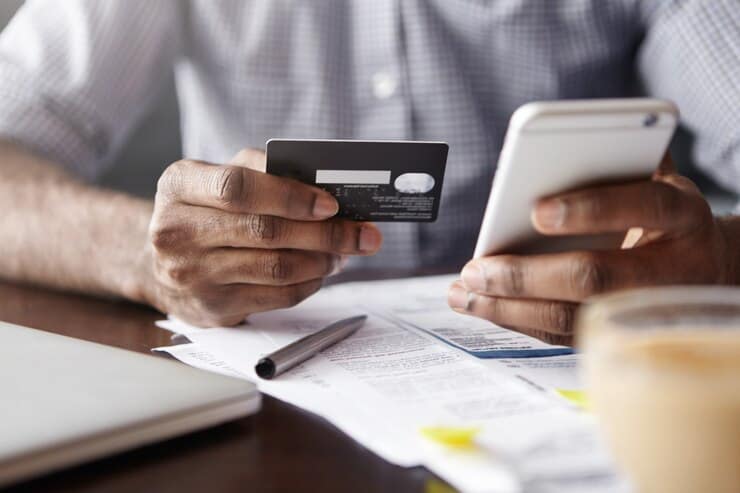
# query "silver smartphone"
(552, 147)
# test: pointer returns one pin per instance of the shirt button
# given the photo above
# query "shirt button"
(384, 85)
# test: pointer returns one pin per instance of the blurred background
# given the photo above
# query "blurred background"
(156, 143)
(150, 148)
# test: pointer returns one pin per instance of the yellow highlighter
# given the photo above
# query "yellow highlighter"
(576, 397)
(459, 437)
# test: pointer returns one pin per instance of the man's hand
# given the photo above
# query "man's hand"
(227, 241)
(672, 239)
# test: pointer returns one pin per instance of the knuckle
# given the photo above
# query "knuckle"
(292, 198)
(589, 206)
(588, 275)
(333, 235)
(229, 184)
(172, 177)
(277, 267)
(260, 228)
(558, 317)
(487, 306)
(512, 276)
(166, 238)
(180, 273)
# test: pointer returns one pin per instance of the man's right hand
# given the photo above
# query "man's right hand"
(228, 241)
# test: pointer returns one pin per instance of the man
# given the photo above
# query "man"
(221, 242)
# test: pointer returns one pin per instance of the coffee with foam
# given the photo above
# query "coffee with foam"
(662, 367)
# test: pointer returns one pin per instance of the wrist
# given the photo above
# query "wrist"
(138, 284)
(133, 265)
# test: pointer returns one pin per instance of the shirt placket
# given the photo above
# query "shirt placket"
(382, 106)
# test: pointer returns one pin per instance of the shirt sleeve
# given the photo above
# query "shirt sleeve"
(691, 55)
(75, 75)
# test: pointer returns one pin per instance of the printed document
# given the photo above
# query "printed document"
(395, 377)
(421, 302)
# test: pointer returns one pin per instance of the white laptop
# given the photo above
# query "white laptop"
(65, 401)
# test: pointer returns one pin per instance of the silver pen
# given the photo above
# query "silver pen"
(306, 347)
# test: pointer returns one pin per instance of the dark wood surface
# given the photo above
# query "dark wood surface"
(282, 448)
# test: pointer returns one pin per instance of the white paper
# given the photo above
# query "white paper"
(545, 373)
(422, 303)
(194, 355)
(390, 379)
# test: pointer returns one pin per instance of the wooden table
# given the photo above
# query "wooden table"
(282, 448)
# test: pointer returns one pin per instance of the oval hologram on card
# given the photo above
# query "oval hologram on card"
(414, 183)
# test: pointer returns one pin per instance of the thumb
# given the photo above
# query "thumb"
(254, 159)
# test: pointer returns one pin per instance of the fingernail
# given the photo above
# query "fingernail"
(474, 278)
(549, 214)
(458, 298)
(370, 239)
(325, 206)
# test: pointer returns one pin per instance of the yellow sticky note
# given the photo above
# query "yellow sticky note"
(451, 436)
(577, 397)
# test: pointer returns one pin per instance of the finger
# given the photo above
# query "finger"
(548, 337)
(231, 304)
(254, 159)
(543, 315)
(573, 276)
(682, 183)
(666, 173)
(654, 205)
(208, 228)
(238, 189)
(266, 298)
(265, 267)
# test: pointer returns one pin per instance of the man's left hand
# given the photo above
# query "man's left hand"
(672, 238)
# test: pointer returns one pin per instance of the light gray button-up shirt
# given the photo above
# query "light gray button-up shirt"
(75, 75)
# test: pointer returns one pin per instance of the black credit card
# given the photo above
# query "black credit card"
(372, 180)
